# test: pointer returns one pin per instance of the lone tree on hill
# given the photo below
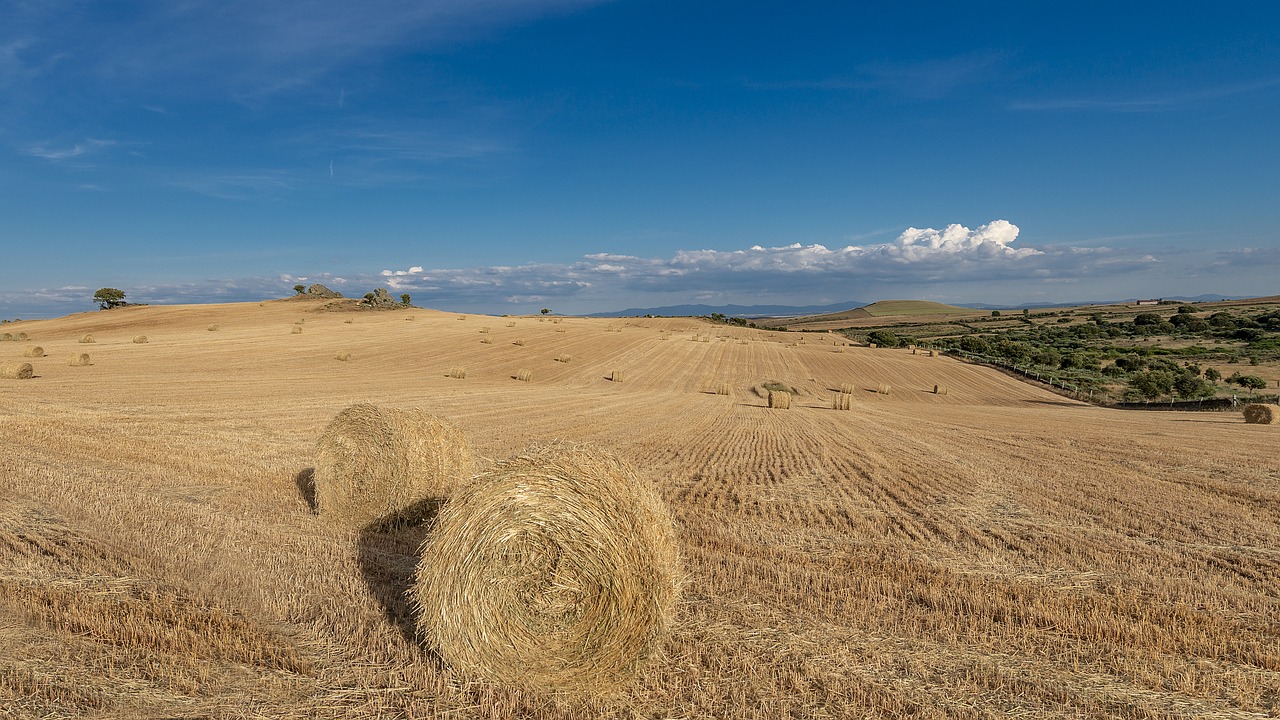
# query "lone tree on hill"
(404, 299)
(546, 310)
(300, 289)
(108, 298)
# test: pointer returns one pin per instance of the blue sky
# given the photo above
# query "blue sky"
(507, 155)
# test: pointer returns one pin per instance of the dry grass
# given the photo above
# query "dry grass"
(87, 340)
(1260, 414)
(140, 340)
(1000, 553)
(16, 371)
(372, 462)
(35, 351)
(779, 400)
(78, 360)
(558, 569)
(524, 375)
(842, 401)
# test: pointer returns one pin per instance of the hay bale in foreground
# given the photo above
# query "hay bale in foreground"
(87, 340)
(373, 461)
(779, 400)
(558, 569)
(140, 339)
(842, 401)
(1258, 414)
(34, 351)
(939, 389)
(16, 371)
(78, 360)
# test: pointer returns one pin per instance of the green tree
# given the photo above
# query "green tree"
(995, 313)
(1212, 375)
(883, 338)
(108, 298)
(300, 289)
(544, 311)
(404, 299)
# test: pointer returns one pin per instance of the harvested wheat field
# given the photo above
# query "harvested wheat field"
(989, 552)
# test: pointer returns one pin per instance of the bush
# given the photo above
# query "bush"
(884, 338)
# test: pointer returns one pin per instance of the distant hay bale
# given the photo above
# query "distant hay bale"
(848, 388)
(563, 358)
(300, 321)
(140, 339)
(837, 349)
(78, 360)
(511, 324)
(524, 375)
(912, 348)
(343, 357)
(616, 376)
(871, 345)
(16, 371)
(560, 330)
(462, 317)
(555, 321)
(213, 328)
(296, 330)
(347, 321)
(933, 353)
(458, 373)
(884, 389)
(939, 389)
(518, 342)
(372, 462)
(484, 330)
(22, 336)
(724, 389)
(87, 340)
(6, 337)
(486, 341)
(913, 351)
(557, 570)
(34, 351)
(1259, 414)
(779, 400)
(842, 401)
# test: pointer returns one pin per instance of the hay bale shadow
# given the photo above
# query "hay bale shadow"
(387, 551)
(306, 482)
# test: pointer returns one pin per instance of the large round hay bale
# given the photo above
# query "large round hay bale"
(34, 351)
(140, 339)
(78, 360)
(87, 340)
(779, 400)
(297, 330)
(16, 371)
(1259, 414)
(939, 389)
(6, 337)
(372, 462)
(558, 569)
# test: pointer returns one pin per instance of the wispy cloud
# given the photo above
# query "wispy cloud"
(50, 152)
(1145, 103)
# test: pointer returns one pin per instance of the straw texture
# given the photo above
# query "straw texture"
(1259, 414)
(558, 569)
(373, 461)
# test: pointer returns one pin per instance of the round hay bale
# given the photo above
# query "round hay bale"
(779, 400)
(884, 389)
(213, 328)
(343, 356)
(939, 389)
(87, 340)
(372, 462)
(564, 358)
(78, 360)
(1259, 414)
(842, 401)
(524, 375)
(16, 371)
(22, 336)
(6, 337)
(34, 351)
(297, 330)
(459, 373)
(848, 388)
(140, 339)
(558, 569)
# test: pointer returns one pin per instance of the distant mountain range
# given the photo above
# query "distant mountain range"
(761, 311)
(742, 311)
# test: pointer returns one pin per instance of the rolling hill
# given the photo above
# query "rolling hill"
(995, 550)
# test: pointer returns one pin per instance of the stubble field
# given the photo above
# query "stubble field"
(994, 551)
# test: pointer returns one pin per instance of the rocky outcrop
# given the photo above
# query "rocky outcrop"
(319, 291)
